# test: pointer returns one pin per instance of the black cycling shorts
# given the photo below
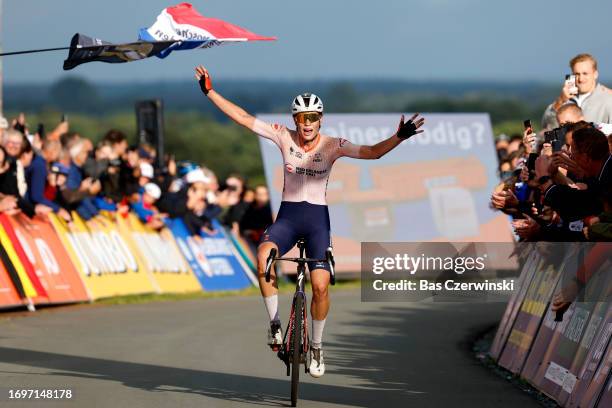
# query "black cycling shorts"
(301, 220)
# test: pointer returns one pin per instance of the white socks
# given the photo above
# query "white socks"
(317, 332)
(272, 307)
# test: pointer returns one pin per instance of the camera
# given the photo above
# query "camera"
(556, 137)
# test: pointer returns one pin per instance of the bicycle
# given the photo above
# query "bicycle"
(296, 335)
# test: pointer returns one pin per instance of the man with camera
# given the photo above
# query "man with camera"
(582, 89)
(589, 158)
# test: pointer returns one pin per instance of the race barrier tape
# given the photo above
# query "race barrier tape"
(568, 359)
(45, 260)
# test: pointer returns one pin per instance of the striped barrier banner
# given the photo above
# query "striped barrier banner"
(17, 260)
(11, 290)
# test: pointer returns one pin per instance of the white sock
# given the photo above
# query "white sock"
(317, 332)
(272, 307)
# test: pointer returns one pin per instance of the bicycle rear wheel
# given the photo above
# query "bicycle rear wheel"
(296, 343)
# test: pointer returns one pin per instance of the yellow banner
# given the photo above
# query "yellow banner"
(103, 257)
(158, 254)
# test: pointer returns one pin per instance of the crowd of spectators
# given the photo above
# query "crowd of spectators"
(63, 172)
(557, 182)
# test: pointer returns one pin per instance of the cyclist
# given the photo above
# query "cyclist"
(308, 158)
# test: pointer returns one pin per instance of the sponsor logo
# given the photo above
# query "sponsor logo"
(317, 158)
(276, 126)
(294, 152)
(343, 142)
(309, 172)
(289, 168)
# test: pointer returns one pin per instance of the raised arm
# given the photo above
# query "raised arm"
(233, 111)
(404, 131)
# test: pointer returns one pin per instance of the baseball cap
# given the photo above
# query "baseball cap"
(153, 190)
(59, 168)
(195, 176)
(146, 170)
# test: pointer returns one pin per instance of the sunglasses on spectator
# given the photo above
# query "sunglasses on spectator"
(302, 117)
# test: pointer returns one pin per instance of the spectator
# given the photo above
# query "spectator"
(593, 98)
(79, 189)
(501, 146)
(117, 141)
(145, 206)
(8, 203)
(600, 228)
(51, 150)
(35, 171)
(257, 217)
(55, 188)
(233, 199)
(129, 172)
(590, 154)
(569, 113)
(13, 142)
(515, 144)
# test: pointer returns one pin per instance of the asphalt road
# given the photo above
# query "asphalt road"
(212, 353)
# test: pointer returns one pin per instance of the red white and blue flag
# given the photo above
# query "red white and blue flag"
(182, 23)
(178, 27)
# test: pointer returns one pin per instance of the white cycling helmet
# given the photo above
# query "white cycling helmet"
(307, 102)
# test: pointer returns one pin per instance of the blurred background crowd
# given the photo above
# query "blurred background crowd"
(62, 171)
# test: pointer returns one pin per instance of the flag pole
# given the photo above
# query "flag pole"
(34, 51)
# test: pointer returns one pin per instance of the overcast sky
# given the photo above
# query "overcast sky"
(403, 39)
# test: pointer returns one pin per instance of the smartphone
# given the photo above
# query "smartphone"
(570, 79)
(527, 126)
(531, 164)
(64, 117)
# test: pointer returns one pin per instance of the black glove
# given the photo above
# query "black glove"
(405, 130)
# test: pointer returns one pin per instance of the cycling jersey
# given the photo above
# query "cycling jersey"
(306, 172)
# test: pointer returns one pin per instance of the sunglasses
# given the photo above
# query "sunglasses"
(311, 117)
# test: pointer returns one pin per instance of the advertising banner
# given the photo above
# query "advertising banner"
(599, 391)
(50, 260)
(9, 294)
(158, 254)
(530, 260)
(532, 311)
(34, 291)
(595, 349)
(107, 266)
(212, 258)
(568, 348)
(433, 187)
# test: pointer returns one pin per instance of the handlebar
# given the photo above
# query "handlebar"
(329, 258)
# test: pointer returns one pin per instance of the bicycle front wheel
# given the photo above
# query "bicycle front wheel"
(296, 343)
